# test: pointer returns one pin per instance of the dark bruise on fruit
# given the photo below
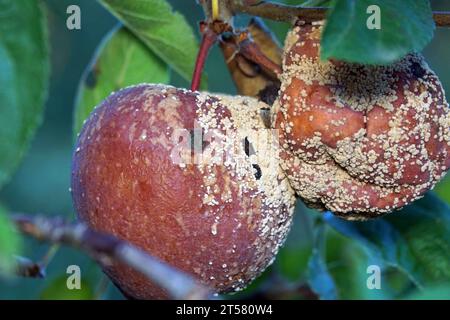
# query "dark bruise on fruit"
(359, 140)
(223, 223)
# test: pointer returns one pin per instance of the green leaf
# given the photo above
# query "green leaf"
(415, 240)
(121, 60)
(312, 3)
(9, 243)
(165, 32)
(292, 260)
(442, 189)
(319, 278)
(24, 76)
(58, 290)
(347, 264)
(406, 26)
(441, 292)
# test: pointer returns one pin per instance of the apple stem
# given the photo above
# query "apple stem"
(209, 38)
(251, 51)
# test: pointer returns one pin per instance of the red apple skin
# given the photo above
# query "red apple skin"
(217, 222)
(359, 140)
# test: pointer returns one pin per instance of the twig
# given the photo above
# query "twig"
(106, 249)
(255, 73)
(252, 52)
(276, 11)
(209, 38)
(287, 13)
(45, 260)
(102, 288)
(442, 18)
(29, 269)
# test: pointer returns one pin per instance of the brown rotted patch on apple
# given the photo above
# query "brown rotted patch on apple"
(385, 127)
(223, 223)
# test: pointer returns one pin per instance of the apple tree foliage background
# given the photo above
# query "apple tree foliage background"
(51, 77)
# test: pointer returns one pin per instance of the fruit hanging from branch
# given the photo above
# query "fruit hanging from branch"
(359, 140)
(218, 208)
(194, 178)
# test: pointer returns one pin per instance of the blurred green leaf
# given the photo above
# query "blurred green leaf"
(24, 75)
(347, 264)
(9, 243)
(165, 32)
(312, 3)
(442, 189)
(318, 277)
(292, 260)
(416, 240)
(57, 290)
(121, 60)
(406, 26)
(441, 292)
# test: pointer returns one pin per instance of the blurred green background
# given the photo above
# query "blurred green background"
(41, 185)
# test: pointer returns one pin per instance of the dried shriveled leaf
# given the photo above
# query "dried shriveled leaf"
(249, 78)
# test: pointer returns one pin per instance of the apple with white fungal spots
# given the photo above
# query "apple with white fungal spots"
(359, 140)
(219, 211)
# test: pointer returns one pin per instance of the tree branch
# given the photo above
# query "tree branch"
(276, 11)
(287, 13)
(106, 249)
